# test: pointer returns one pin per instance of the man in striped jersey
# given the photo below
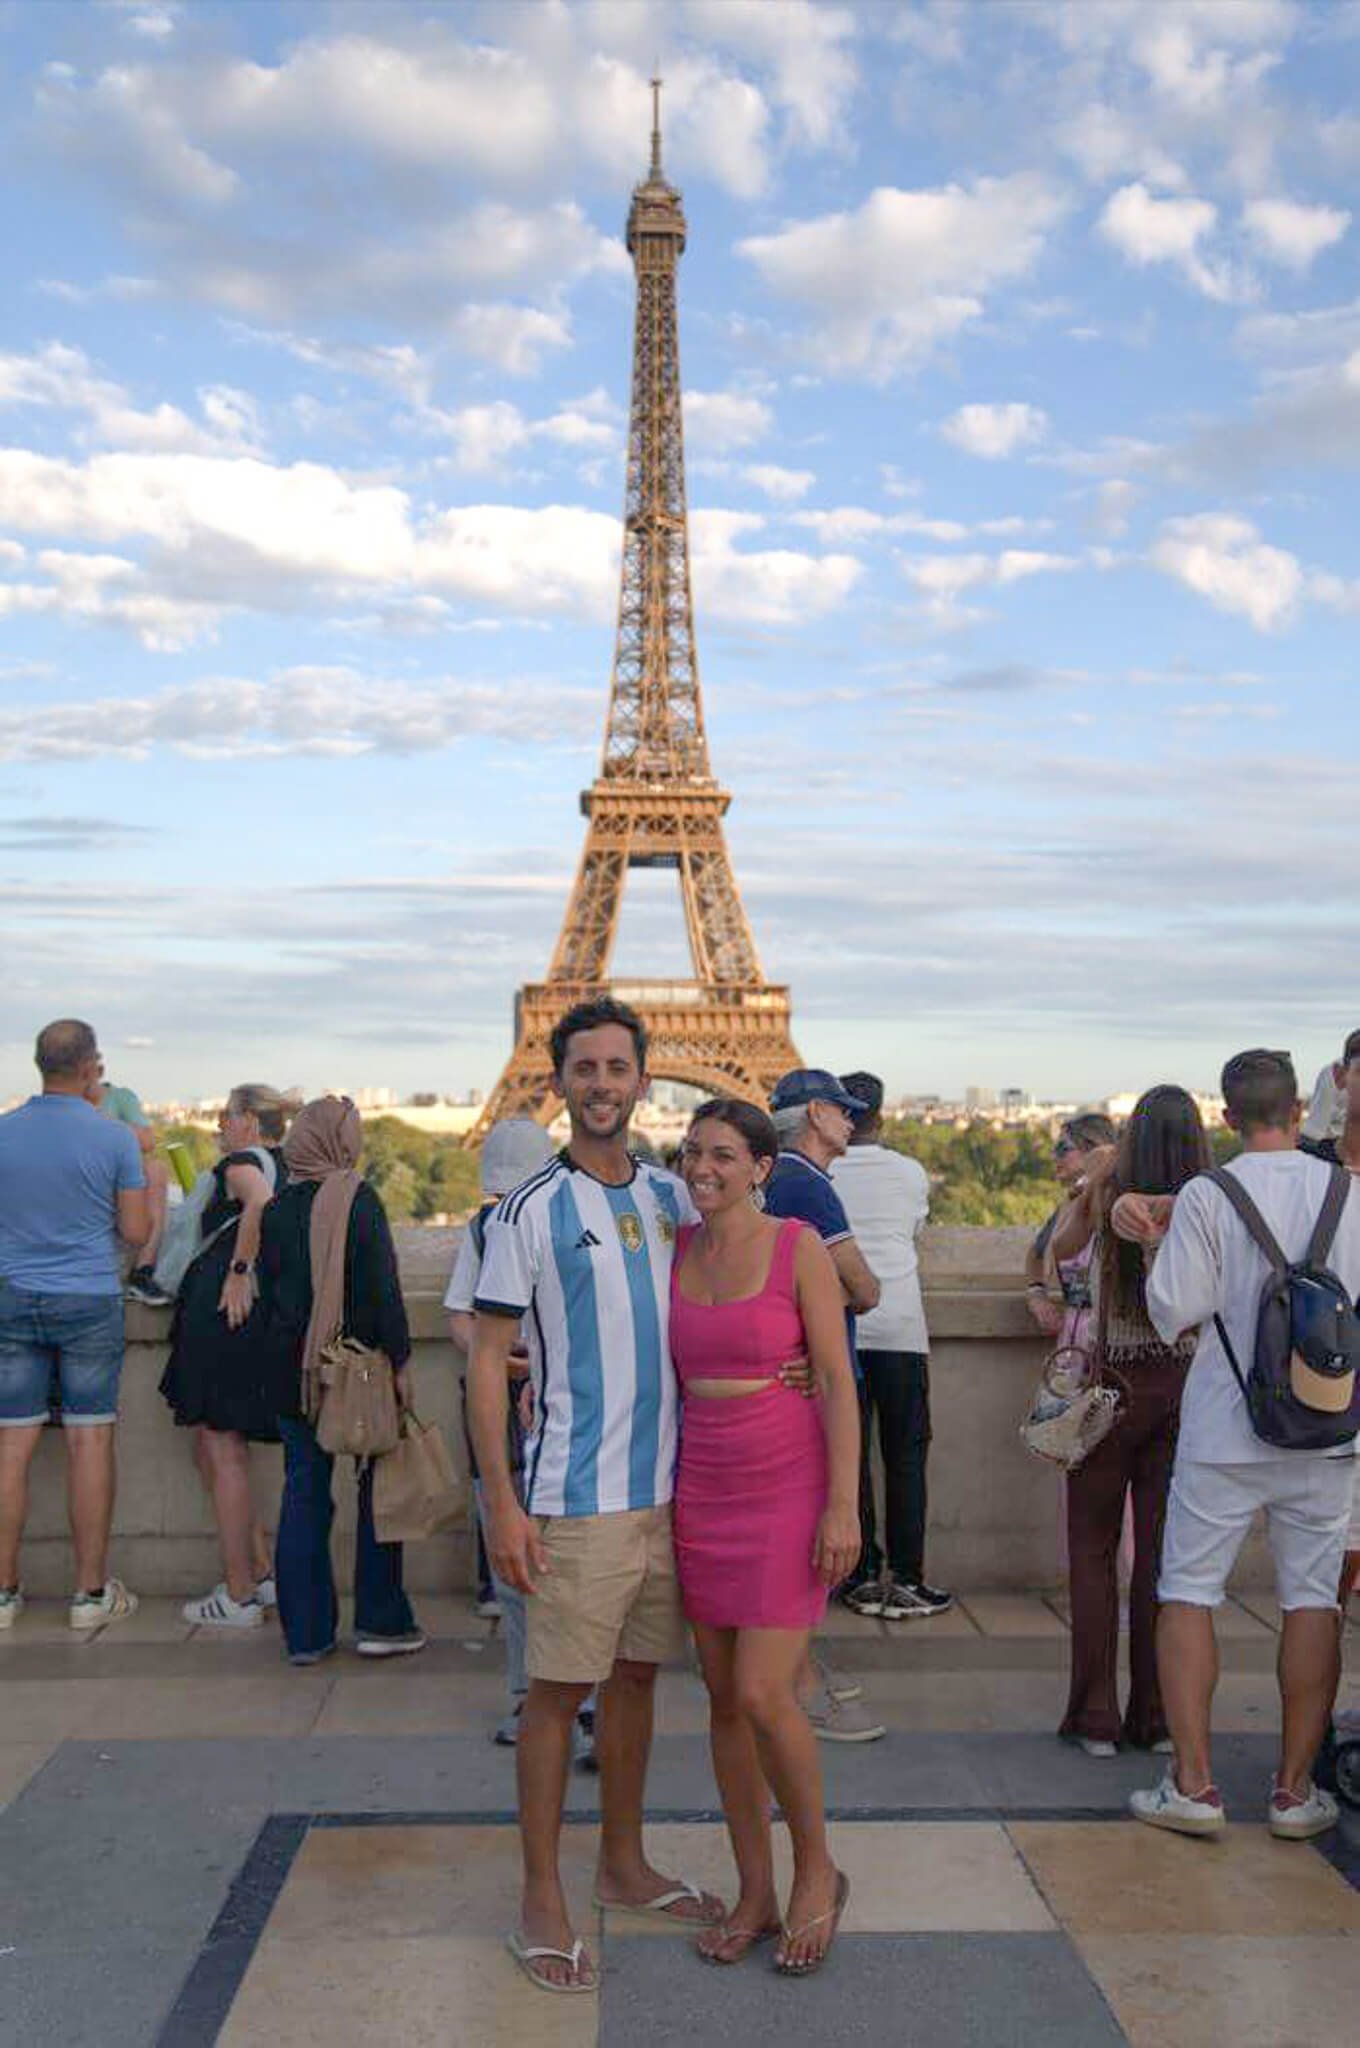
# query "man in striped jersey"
(582, 1253)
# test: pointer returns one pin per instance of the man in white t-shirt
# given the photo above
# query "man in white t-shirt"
(887, 1198)
(1207, 1266)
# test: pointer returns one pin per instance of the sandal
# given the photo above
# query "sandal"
(527, 1954)
(792, 1934)
(724, 1934)
(681, 1893)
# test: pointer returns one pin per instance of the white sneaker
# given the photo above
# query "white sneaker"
(1166, 1806)
(1291, 1819)
(266, 1592)
(1094, 1745)
(839, 1684)
(218, 1610)
(11, 1605)
(96, 1610)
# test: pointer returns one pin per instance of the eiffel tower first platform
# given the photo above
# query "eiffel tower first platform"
(655, 803)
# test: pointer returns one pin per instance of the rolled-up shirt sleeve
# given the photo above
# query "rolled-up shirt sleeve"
(510, 1265)
(1185, 1286)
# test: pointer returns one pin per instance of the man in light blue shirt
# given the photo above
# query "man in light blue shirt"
(71, 1185)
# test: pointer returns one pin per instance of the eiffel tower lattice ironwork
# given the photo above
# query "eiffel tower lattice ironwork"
(655, 802)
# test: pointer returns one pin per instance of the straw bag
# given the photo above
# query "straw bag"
(1077, 1401)
(1072, 1411)
(416, 1491)
(356, 1415)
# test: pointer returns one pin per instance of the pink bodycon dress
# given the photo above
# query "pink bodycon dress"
(752, 1479)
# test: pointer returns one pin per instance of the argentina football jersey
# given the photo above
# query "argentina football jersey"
(588, 1266)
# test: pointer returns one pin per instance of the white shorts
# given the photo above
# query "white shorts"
(1307, 1504)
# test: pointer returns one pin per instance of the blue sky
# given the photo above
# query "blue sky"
(1022, 352)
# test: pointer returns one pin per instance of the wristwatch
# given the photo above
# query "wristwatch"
(241, 1266)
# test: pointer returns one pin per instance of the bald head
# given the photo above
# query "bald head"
(65, 1052)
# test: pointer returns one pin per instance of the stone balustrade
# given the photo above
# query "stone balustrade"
(994, 1510)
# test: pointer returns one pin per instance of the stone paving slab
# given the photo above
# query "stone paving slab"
(965, 1990)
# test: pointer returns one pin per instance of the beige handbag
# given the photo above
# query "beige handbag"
(416, 1491)
(1072, 1411)
(357, 1412)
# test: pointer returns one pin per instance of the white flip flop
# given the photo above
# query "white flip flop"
(526, 1954)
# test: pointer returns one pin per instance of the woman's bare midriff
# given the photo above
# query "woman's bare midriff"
(724, 1390)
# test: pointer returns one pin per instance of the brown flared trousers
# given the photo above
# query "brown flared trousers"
(1136, 1456)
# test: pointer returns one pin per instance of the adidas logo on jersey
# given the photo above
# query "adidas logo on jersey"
(587, 1241)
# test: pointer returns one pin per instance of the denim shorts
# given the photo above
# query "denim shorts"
(75, 1340)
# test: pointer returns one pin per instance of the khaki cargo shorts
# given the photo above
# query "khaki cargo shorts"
(610, 1591)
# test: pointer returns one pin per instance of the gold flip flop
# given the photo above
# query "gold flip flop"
(749, 1937)
(788, 1934)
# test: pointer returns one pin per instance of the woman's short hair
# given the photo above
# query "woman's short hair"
(271, 1110)
(755, 1125)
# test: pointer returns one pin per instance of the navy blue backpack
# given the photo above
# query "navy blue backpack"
(1302, 1388)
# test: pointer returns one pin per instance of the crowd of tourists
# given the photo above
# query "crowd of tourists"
(675, 1380)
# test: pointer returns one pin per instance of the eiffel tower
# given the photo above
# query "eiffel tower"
(655, 803)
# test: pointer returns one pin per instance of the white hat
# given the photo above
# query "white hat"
(514, 1148)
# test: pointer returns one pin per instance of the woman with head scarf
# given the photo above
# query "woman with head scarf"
(329, 1265)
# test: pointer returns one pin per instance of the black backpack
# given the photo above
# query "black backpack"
(1303, 1387)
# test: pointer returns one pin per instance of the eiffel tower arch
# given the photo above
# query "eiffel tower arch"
(655, 802)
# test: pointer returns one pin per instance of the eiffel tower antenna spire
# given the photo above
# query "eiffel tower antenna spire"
(655, 802)
(656, 124)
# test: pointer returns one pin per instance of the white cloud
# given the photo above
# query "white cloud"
(484, 435)
(1148, 230)
(784, 486)
(719, 421)
(336, 711)
(994, 431)
(1291, 233)
(886, 283)
(807, 49)
(847, 525)
(762, 587)
(943, 579)
(1108, 143)
(1223, 558)
(63, 379)
(515, 338)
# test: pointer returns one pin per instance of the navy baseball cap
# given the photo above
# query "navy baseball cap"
(814, 1084)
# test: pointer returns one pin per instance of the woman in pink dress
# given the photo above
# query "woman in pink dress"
(766, 1515)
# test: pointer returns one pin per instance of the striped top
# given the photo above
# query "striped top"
(588, 1266)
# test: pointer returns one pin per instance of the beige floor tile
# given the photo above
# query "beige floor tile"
(353, 1884)
(1255, 1992)
(18, 1762)
(156, 1621)
(1108, 1878)
(400, 1703)
(436, 1991)
(921, 1876)
(840, 1623)
(1234, 1621)
(1264, 1606)
(42, 1709)
(42, 1621)
(1013, 1614)
(965, 1702)
(128, 1709)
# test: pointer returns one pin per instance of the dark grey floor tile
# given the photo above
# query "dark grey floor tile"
(115, 1997)
(944, 1990)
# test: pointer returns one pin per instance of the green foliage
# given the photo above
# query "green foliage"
(992, 1177)
(419, 1175)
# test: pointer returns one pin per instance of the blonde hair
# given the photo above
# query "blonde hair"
(272, 1111)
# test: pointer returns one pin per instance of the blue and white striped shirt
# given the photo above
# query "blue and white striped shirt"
(588, 1266)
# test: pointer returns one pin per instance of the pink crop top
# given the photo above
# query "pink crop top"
(749, 1339)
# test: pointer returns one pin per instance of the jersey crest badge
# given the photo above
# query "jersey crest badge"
(630, 1231)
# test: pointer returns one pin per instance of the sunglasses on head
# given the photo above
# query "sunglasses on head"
(1064, 1146)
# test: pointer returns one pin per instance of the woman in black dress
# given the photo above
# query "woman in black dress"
(328, 1265)
(214, 1381)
